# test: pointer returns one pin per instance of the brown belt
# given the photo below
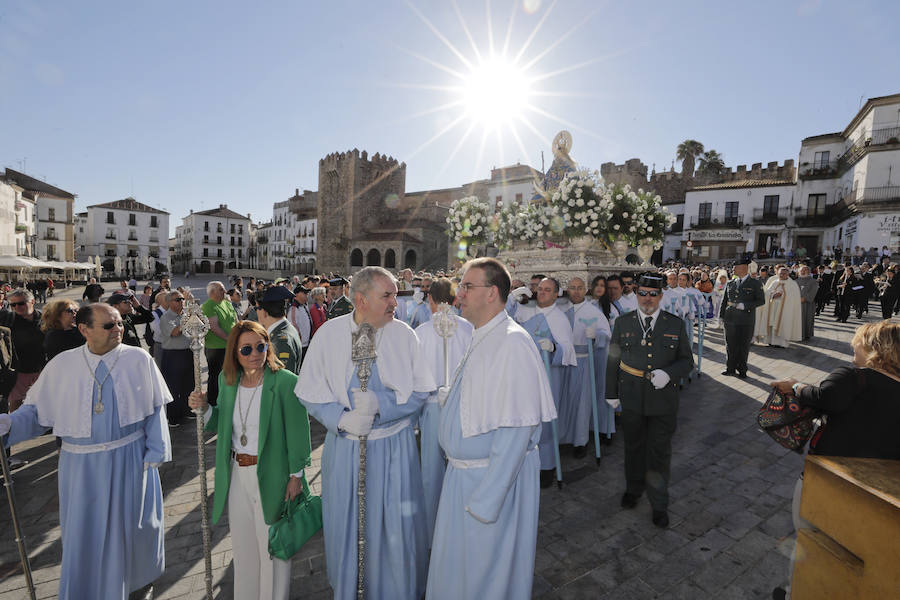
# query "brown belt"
(636, 372)
(244, 460)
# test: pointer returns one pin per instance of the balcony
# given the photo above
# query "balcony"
(717, 222)
(51, 236)
(813, 217)
(861, 146)
(110, 236)
(761, 216)
(819, 170)
(877, 195)
(21, 228)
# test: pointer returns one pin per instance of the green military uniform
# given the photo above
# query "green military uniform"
(738, 312)
(287, 346)
(340, 307)
(648, 415)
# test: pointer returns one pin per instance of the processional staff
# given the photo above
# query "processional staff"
(444, 323)
(195, 325)
(17, 528)
(362, 354)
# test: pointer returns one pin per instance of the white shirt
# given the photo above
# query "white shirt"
(246, 402)
(302, 322)
(653, 318)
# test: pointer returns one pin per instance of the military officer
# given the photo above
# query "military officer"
(342, 304)
(649, 353)
(738, 311)
(282, 335)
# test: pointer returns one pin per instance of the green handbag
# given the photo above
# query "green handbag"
(300, 520)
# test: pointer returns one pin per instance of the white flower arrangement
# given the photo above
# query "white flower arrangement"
(469, 220)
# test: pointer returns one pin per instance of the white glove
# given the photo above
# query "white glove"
(365, 403)
(591, 333)
(613, 402)
(739, 306)
(5, 424)
(442, 394)
(659, 378)
(546, 345)
(419, 297)
(520, 293)
(356, 423)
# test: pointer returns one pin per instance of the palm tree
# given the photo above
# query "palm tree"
(711, 163)
(687, 151)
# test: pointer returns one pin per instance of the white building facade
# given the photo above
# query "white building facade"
(10, 199)
(214, 240)
(136, 233)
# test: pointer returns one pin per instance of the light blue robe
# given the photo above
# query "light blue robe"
(110, 508)
(493, 559)
(396, 532)
(420, 313)
(538, 327)
(511, 306)
(576, 412)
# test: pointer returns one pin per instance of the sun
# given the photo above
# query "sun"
(495, 93)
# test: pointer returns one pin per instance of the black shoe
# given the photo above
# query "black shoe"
(579, 451)
(779, 593)
(629, 500)
(729, 373)
(742, 376)
(661, 518)
(548, 476)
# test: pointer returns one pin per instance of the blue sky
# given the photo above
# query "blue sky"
(195, 104)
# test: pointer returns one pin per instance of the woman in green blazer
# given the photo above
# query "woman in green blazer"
(261, 451)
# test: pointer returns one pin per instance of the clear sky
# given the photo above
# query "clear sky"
(199, 103)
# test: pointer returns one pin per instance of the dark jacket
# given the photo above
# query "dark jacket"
(130, 335)
(863, 415)
(749, 293)
(60, 340)
(27, 340)
(92, 292)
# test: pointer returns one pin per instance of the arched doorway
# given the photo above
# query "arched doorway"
(390, 259)
(409, 260)
(373, 258)
(356, 258)
(219, 266)
(232, 265)
(204, 266)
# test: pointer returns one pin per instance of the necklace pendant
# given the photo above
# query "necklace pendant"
(98, 408)
(643, 342)
(243, 440)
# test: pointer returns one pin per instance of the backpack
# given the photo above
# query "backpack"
(7, 372)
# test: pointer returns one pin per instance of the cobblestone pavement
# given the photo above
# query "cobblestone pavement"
(730, 530)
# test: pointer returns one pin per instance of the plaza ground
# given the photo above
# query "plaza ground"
(731, 487)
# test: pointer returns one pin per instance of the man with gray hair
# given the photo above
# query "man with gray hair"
(222, 318)
(330, 387)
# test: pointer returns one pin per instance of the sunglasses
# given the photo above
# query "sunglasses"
(15, 304)
(651, 293)
(177, 299)
(111, 324)
(248, 349)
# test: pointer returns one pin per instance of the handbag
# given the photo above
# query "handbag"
(787, 421)
(300, 519)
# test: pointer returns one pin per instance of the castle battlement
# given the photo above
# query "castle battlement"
(785, 172)
(331, 162)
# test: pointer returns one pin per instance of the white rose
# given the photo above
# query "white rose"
(625, 215)
(649, 217)
(632, 229)
(616, 227)
(579, 202)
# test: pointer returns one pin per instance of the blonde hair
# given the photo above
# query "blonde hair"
(231, 368)
(880, 342)
(53, 311)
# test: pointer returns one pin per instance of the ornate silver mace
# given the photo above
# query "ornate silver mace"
(195, 326)
(362, 353)
(444, 323)
(20, 537)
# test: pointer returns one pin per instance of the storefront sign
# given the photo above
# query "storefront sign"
(888, 223)
(851, 227)
(725, 235)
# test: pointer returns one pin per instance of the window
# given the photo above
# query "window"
(51, 251)
(219, 253)
(218, 228)
(821, 160)
(132, 219)
(206, 252)
(770, 206)
(132, 235)
(731, 209)
(219, 240)
(110, 217)
(240, 229)
(51, 233)
(816, 205)
(519, 198)
(232, 253)
(705, 213)
(232, 228)
(110, 234)
(51, 214)
(205, 239)
(240, 253)
(205, 225)
(153, 222)
(232, 240)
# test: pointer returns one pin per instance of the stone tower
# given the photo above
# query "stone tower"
(355, 194)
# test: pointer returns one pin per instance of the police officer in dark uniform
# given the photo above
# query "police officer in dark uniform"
(738, 311)
(282, 335)
(342, 305)
(649, 353)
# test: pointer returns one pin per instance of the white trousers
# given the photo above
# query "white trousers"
(255, 574)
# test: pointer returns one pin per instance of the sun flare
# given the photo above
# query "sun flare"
(495, 93)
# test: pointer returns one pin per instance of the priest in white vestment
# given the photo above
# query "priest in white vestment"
(783, 312)
(399, 384)
(106, 401)
(486, 530)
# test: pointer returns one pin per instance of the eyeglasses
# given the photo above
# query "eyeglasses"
(71, 311)
(651, 293)
(248, 349)
(111, 324)
(177, 299)
(467, 287)
(15, 304)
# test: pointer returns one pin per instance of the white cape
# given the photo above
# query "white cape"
(327, 368)
(431, 345)
(504, 383)
(559, 327)
(64, 392)
(784, 315)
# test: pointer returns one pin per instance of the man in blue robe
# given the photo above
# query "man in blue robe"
(105, 400)
(552, 334)
(400, 382)
(486, 531)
